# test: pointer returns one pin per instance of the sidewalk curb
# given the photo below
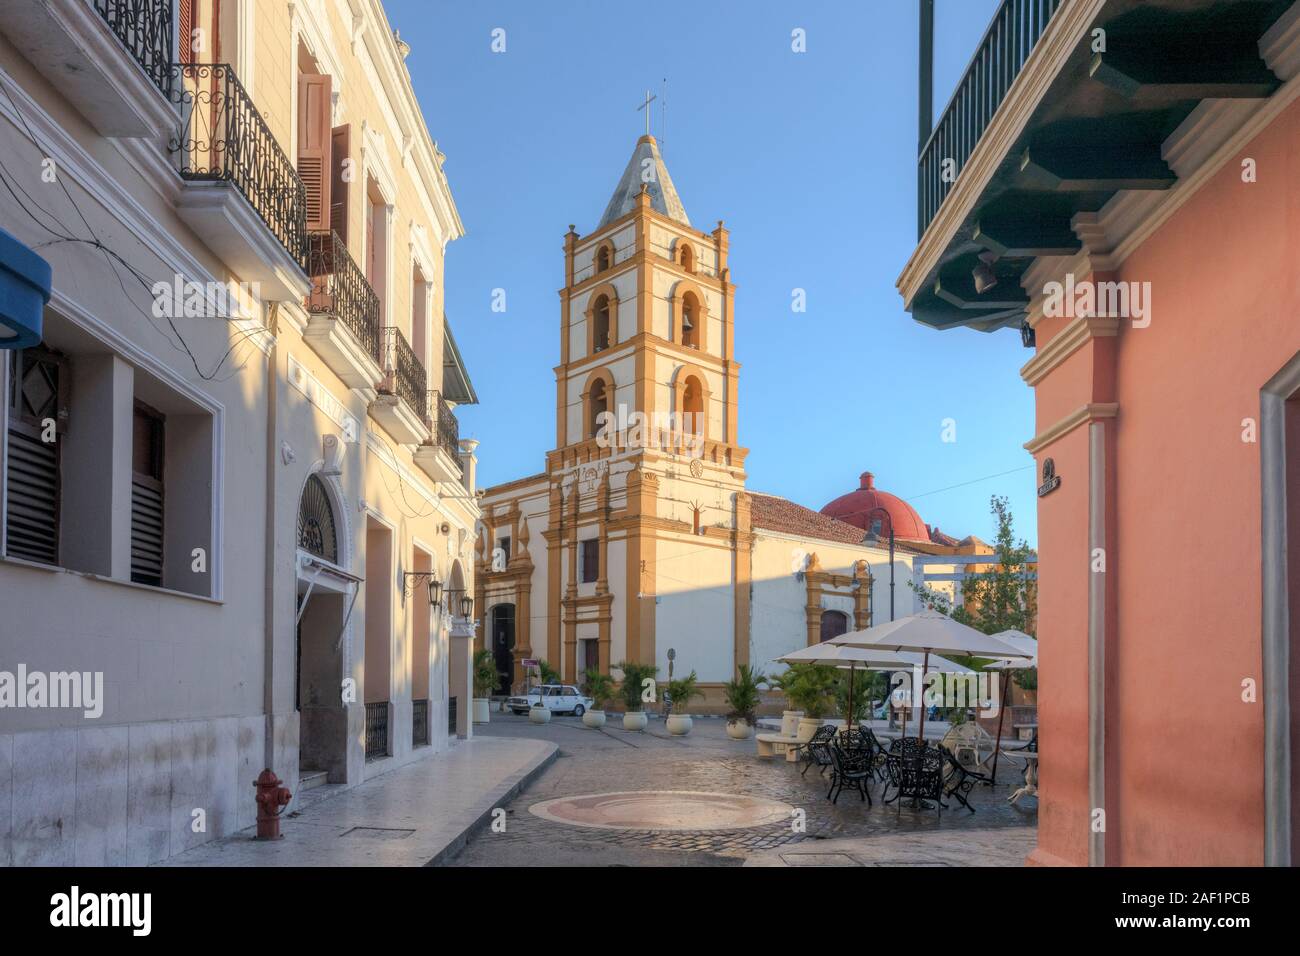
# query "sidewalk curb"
(503, 794)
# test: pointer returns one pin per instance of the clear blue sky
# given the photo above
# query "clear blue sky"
(809, 158)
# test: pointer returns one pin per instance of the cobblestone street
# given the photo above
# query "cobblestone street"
(593, 762)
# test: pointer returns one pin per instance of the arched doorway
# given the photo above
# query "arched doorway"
(324, 595)
(502, 630)
(834, 623)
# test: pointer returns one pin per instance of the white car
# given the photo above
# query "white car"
(558, 699)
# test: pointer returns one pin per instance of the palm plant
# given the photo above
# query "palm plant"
(635, 674)
(741, 693)
(548, 673)
(681, 690)
(599, 687)
(809, 688)
(486, 677)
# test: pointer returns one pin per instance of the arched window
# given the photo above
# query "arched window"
(316, 534)
(834, 623)
(687, 257)
(604, 258)
(600, 328)
(693, 407)
(597, 405)
(690, 321)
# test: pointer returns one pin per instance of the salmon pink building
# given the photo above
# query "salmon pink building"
(1120, 182)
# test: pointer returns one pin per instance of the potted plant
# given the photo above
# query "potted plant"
(600, 688)
(634, 677)
(485, 681)
(789, 717)
(549, 674)
(742, 697)
(539, 713)
(680, 692)
(811, 690)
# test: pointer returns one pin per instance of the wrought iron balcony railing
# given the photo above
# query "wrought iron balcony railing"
(145, 29)
(443, 426)
(339, 288)
(404, 371)
(223, 138)
(998, 60)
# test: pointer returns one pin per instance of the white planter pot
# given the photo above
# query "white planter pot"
(539, 715)
(635, 720)
(482, 710)
(739, 729)
(807, 727)
(594, 718)
(790, 722)
(679, 725)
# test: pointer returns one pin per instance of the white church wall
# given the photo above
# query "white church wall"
(778, 621)
(695, 608)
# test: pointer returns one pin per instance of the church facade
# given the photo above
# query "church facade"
(639, 536)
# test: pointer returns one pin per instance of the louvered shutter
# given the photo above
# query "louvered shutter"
(314, 144)
(33, 480)
(147, 497)
(342, 138)
(185, 34)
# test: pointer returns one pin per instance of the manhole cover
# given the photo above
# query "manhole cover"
(663, 810)
(819, 859)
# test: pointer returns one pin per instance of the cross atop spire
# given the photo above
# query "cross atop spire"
(646, 106)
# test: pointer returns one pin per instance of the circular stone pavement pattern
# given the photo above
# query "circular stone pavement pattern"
(663, 810)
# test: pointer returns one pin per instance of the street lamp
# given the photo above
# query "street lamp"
(890, 519)
(466, 606)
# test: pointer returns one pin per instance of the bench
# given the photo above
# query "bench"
(771, 745)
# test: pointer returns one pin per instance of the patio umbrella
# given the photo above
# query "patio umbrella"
(930, 633)
(1023, 642)
(849, 657)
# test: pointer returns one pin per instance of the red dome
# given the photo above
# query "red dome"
(855, 509)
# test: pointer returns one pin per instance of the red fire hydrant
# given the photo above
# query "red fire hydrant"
(271, 798)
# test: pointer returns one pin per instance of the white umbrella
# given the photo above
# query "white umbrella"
(930, 633)
(848, 657)
(1021, 641)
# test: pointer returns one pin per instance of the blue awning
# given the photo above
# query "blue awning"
(24, 289)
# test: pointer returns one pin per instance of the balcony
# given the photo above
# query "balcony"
(242, 195)
(343, 325)
(998, 60)
(400, 406)
(1046, 131)
(439, 454)
(111, 59)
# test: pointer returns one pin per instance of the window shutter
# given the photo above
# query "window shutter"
(32, 516)
(342, 137)
(314, 146)
(147, 497)
(185, 35)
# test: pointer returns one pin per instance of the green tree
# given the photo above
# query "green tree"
(1003, 597)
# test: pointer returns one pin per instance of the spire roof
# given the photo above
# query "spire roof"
(663, 194)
